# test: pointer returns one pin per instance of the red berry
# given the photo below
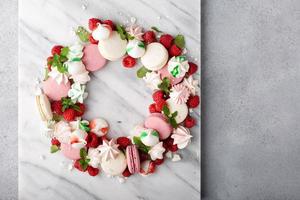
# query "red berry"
(143, 156)
(158, 96)
(152, 108)
(56, 107)
(93, 23)
(173, 148)
(56, 49)
(110, 23)
(168, 144)
(189, 122)
(123, 142)
(78, 166)
(92, 140)
(160, 104)
(151, 168)
(126, 173)
(174, 50)
(128, 61)
(193, 101)
(93, 171)
(49, 59)
(55, 141)
(69, 114)
(158, 161)
(149, 37)
(193, 68)
(81, 108)
(166, 40)
(92, 40)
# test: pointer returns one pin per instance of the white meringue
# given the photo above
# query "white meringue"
(149, 137)
(81, 78)
(191, 84)
(102, 32)
(135, 48)
(75, 52)
(94, 156)
(179, 93)
(77, 92)
(108, 150)
(152, 80)
(178, 66)
(156, 152)
(135, 31)
(62, 131)
(75, 67)
(77, 139)
(182, 137)
(57, 76)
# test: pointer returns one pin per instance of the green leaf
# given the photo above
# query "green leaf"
(156, 29)
(173, 122)
(179, 41)
(174, 114)
(46, 76)
(76, 59)
(129, 37)
(142, 45)
(142, 72)
(165, 85)
(121, 31)
(83, 153)
(54, 148)
(83, 34)
(166, 110)
(57, 62)
(137, 141)
(57, 117)
(64, 51)
(84, 126)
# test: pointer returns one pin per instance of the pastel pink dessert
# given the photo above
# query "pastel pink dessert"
(69, 151)
(133, 159)
(165, 73)
(54, 90)
(92, 59)
(158, 121)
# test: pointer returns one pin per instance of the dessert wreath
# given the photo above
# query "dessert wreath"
(166, 71)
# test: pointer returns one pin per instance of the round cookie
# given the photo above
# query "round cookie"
(135, 48)
(157, 121)
(164, 72)
(114, 166)
(156, 56)
(92, 59)
(70, 152)
(182, 110)
(112, 48)
(54, 90)
(99, 126)
(44, 107)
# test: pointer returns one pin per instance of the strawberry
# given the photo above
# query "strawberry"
(123, 142)
(193, 68)
(149, 37)
(189, 122)
(55, 141)
(193, 101)
(69, 114)
(92, 140)
(93, 23)
(78, 166)
(158, 161)
(160, 104)
(126, 173)
(81, 108)
(166, 40)
(49, 59)
(56, 107)
(92, 40)
(128, 62)
(93, 171)
(152, 108)
(110, 23)
(158, 96)
(174, 51)
(56, 49)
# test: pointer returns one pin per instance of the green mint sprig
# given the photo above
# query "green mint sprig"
(68, 103)
(83, 125)
(156, 29)
(137, 141)
(165, 85)
(170, 116)
(54, 148)
(123, 33)
(83, 34)
(142, 72)
(179, 41)
(57, 61)
(84, 160)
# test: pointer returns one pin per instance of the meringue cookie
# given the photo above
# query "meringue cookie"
(115, 166)
(57, 76)
(99, 126)
(75, 67)
(149, 137)
(152, 80)
(95, 157)
(182, 110)
(77, 93)
(135, 31)
(191, 84)
(62, 131)
(75, 52)
(182, 137)
(135, 48)
(179, 93)
(178, 66)
(108, 150)
(77, 139)
(81, 78)
(102, 32)
(156, 152)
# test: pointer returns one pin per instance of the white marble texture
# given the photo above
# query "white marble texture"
(116, 94)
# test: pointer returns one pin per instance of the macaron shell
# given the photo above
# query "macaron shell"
(112, 48)
(182, 110)
(114, 166)
(44, 107)
(54, 90)
(165, 73)
(155, 57)
(133, 159)
(92, 59)
(70, 152)
(158, 122)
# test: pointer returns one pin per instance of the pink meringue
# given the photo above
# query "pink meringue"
(182, 137)
(135, 31)
(180, 93)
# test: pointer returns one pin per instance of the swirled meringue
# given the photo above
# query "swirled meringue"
(102, 32)
(77, 92)
(178, 66)
(152, 80)
(156, 152)
(135, 48)
(77, 139)
(62, 132)
(179, 93)
(75, 52)
(135, 31)
(81, 78)
(182, 137)
(191, 84)
(94, 156)
(57, 76)
(108, 150)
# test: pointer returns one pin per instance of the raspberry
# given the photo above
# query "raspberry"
(110, 23)
(193, 101)
(56, 107)
(128, 62)
(49, 59)
(168, 144)
(158, 96)
(92, 140)
(93, 171)
(193, 68)
(69, 114)
(189, 122)
(149, 37)
(92, 40)
(160, 104)
(93, 23)
(56, 49)
(143, 156)
(173, 148)
(126, 173)
(151, 168)
(158, 161)
(123, 142)
(166, 40)
(81, 108)
(174, 50)
(55, 141)
(78, 166)
(152, 108)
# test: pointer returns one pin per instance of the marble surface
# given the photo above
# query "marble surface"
(115, 94)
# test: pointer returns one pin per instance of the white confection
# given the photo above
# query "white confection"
(112, 48)
(135, 48)
(136, 130)
(99, 125)
(114, 167)
(149, 137)
(77, 138)
(102, 32)
(178, 66)
(156, 56)
(75, 67)
(182, 110)
(176, 157)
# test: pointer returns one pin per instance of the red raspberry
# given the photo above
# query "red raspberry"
(55, 141)
(92, 140)
(93, 23)
(166, 40)
(174, 50)
(193, 68)
(92, 40)
(123, 142)
(56, 107)
(193, 101)
(158, 161)
(49, 59)
(56, 49)
(168, 144)
(78, 166)
(110, 23)
(160, 104)
(81, 108)
(128, 62)
(126, 173)
(151, 168)
(93, 171)
(152, 108)
(69, 114)
(189, 122)
(143, 156)
(158, 96)
(149, 37)
(173, 148)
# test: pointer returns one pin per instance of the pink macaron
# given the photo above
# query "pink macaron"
(70, 152)
(54, 90)
(158, 121)
(165, 73)
(133, 159)
(92, 59)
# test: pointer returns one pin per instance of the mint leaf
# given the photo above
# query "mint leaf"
(171, 117)
(121, 31)
(179, 41)
(57, 117)
(84, 126)
(142, 72)
(58, 63)
(54, 148)
(68, 103)
(142, 45)
(156, 29)
(64, 51)
(166, 110)
(165, 85)
(83, 34)
(137, 141)
(173, 122)
(83, 153)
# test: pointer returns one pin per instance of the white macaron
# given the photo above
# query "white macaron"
(44, 107)
(155, 57)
